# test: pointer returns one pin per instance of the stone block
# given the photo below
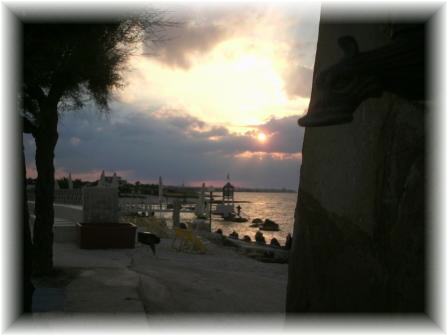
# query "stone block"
(100, 205)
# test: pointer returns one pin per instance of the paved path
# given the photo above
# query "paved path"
(129, 280)
(92, 281)
(138, 289)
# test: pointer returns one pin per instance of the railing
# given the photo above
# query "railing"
(63, 196)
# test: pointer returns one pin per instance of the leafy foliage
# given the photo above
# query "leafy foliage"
(71, 62)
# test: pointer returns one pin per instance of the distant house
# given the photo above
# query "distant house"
(113, 181)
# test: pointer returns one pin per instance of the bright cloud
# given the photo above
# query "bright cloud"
(231, 68)
(273, 155)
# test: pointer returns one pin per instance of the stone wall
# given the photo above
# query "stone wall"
(359, 234)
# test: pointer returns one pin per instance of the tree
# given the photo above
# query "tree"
(26, 245)
(63, 65)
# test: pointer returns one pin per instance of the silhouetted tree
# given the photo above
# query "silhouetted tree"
(63, 183)
(78, 184)
(64, 64)
(26, 244)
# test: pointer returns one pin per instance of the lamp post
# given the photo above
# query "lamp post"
(210, 211)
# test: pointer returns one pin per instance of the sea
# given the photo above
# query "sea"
(278, 207)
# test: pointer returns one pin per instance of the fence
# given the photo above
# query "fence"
(63, 196)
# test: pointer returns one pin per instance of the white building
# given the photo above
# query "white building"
(113, 181)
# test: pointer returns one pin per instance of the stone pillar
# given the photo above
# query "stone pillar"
(100, 205)
(358, 243)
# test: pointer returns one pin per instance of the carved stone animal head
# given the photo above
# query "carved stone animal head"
(340, 89)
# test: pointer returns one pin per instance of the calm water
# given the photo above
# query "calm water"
(278, 207)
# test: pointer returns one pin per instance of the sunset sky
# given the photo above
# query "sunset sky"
(222, 94)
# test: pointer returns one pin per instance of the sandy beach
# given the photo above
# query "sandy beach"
(221, 281)
(116, 281)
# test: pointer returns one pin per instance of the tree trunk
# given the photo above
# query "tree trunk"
(46, 138)
(27, 246)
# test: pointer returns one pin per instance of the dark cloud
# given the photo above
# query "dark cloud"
(214, 131)
(149, 146)
(179, 118)
(199, 29)
(183, 42)
(286, 137)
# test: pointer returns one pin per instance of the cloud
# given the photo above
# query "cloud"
(291, 29)
(272, 155)
(200, 29)
(284, 134)
(227, 66)
(178, 118)
(182, 43)
(174, 145)
(298, 82)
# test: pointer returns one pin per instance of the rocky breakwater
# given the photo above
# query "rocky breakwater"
(258, 249)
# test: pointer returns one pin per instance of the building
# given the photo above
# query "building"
(113, 181)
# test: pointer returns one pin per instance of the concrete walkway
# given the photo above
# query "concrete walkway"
(90, 289)
(93, 281)
(133, 287)
(102, 282)
(135, 281)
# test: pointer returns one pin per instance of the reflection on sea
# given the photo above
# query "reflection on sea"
(278, 207)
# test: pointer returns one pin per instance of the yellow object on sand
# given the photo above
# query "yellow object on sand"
(187, 240)
(151, 224)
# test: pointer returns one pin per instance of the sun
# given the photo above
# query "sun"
(261, 137)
